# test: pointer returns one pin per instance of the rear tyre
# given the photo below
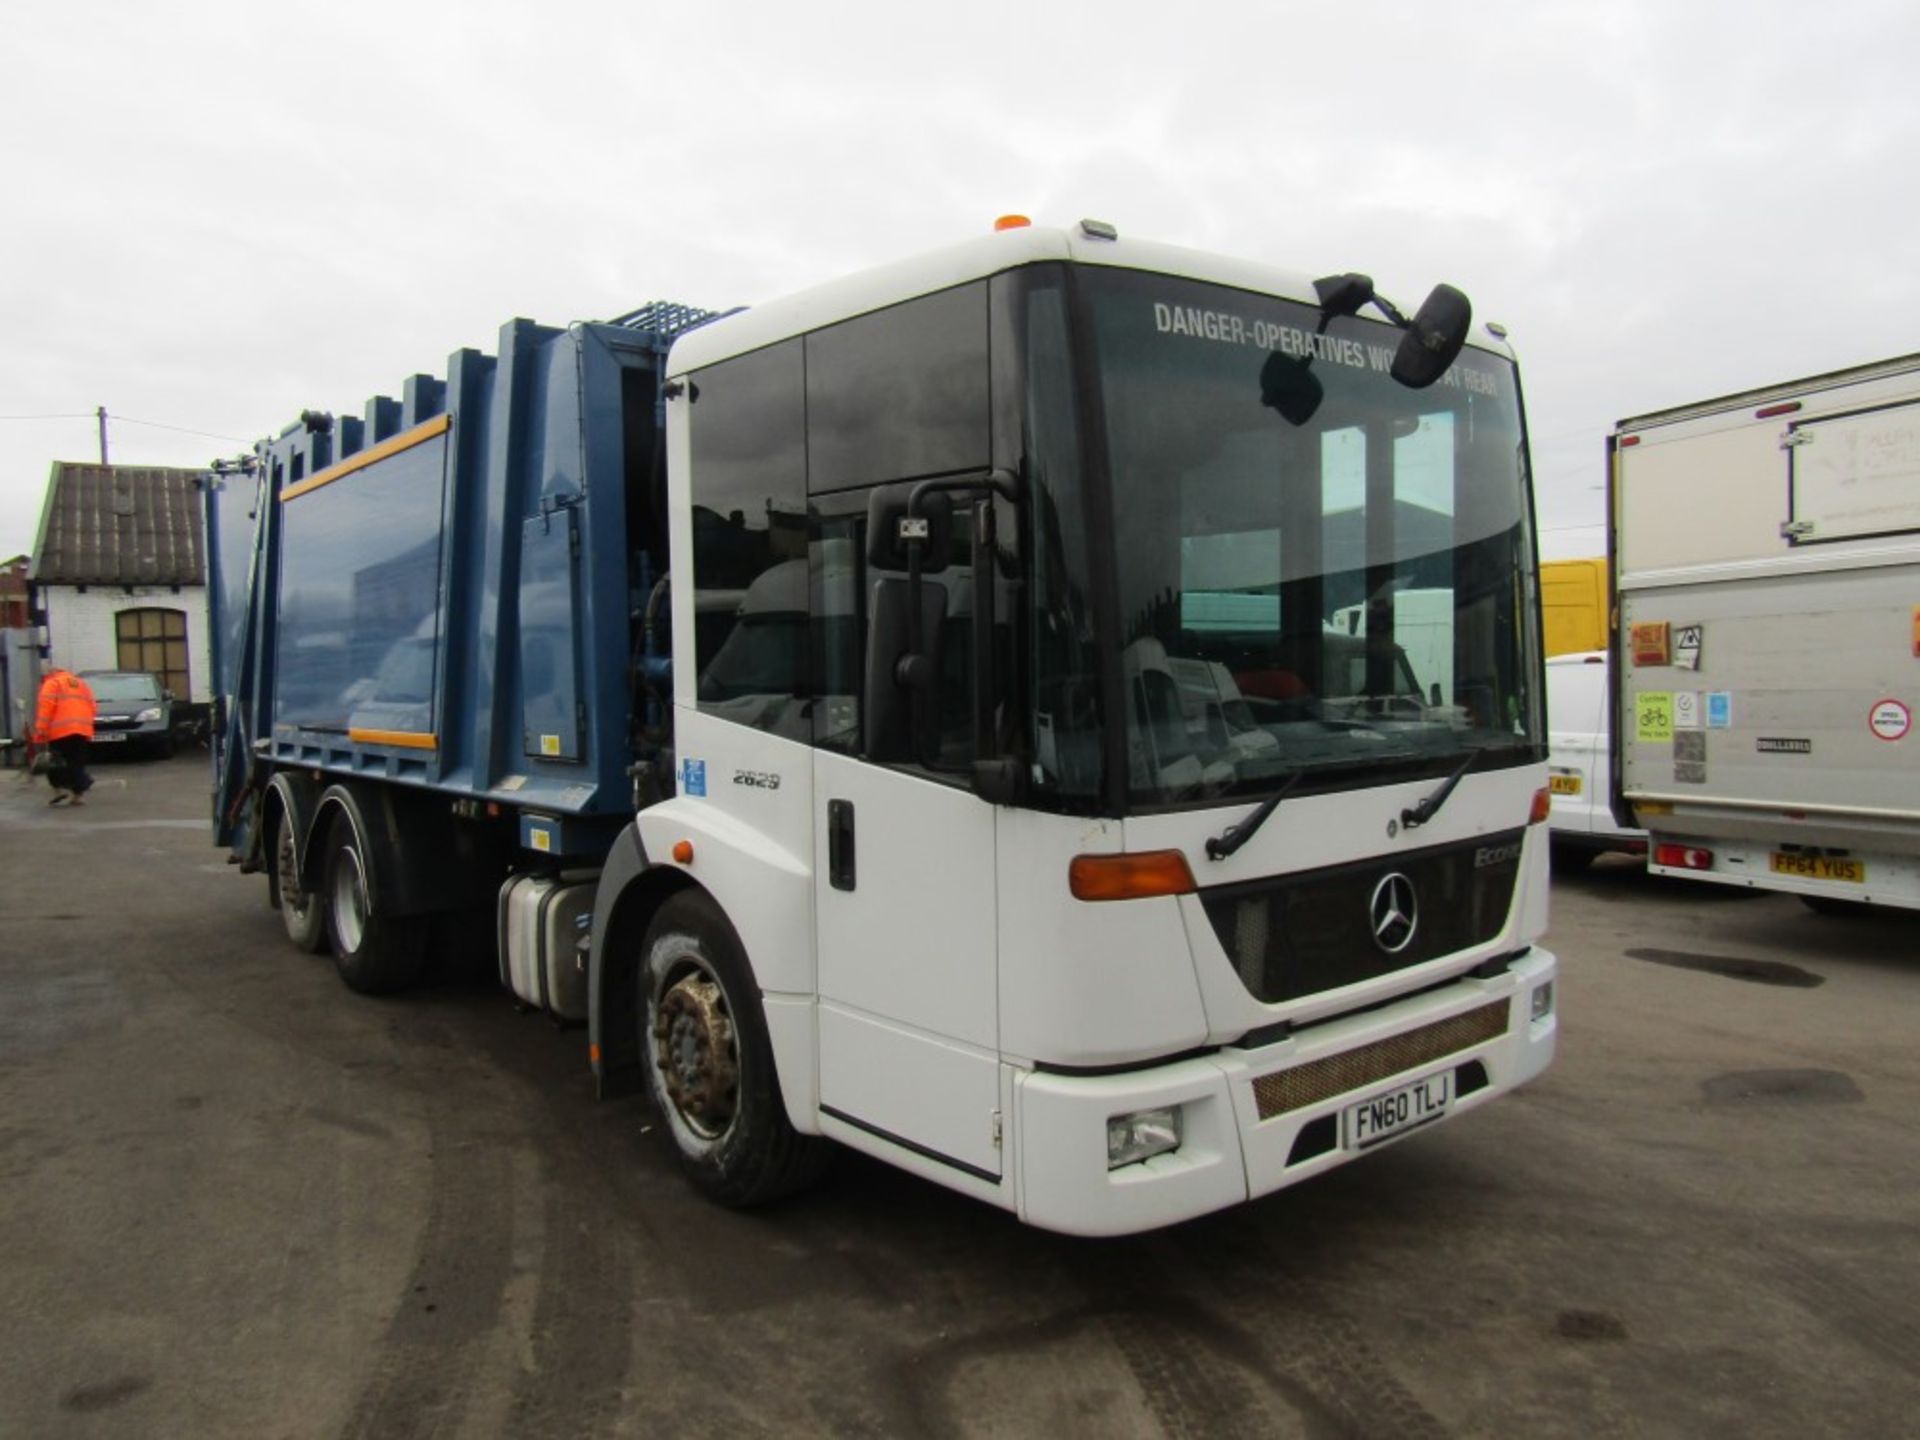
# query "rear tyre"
(709, 1063)
(375, 952)
(301, 912)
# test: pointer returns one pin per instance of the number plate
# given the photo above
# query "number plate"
(1397, 1111)
(1820, 867)
(1568, 784)
(108, 737)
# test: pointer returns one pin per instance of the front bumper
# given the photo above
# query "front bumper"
(1228, 1151)
(149, 732)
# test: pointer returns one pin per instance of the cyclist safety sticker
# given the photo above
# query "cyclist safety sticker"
(1889, 719)
(1653, 717)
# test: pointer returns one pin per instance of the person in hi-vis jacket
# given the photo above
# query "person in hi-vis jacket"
(64, 725)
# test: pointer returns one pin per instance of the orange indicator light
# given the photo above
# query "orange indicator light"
(683, 852)
(1130, 877)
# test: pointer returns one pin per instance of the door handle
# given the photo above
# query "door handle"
(840, 872)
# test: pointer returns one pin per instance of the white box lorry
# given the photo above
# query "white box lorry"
(1766, 558)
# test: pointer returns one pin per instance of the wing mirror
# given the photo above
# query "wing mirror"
(1433, 338)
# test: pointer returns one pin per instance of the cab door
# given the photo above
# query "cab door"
(904, 874)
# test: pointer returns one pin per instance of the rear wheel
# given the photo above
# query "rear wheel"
(376, 953)
(301, 912)
(709, 1063)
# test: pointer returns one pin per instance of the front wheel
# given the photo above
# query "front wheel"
(375, 952)
(301, 912)
(709, 1063)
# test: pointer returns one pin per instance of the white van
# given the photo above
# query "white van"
(1579, 771)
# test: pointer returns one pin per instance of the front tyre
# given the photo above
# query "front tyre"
(709, 1063)
(375, 952)
(301, 912)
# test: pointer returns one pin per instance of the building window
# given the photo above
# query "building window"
(155, 641)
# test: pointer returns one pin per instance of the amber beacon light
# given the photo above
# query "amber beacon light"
(1012, 222)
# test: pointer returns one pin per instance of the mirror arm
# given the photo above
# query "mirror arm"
(915, 676)
(1392, 312)
(1001, 482)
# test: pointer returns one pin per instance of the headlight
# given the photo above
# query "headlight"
(1142, 1135)
(1543, 1000)
(146, 715)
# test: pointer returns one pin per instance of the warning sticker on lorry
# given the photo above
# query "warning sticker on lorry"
(1653, 717)
(1890, 719)
(1690, 757)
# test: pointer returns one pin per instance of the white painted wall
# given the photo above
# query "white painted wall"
(81, 633)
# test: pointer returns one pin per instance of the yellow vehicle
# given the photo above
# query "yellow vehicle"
(1573, 605)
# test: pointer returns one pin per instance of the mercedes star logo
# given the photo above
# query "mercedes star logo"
(1395, 913)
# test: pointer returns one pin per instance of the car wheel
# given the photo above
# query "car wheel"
(375, 952)
(709, 1063)
(300, 909)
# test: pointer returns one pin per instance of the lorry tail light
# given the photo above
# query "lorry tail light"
(1683, 857)
(1542, 805)
(1130, 877)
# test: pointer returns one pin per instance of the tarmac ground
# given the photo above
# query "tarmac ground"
(238, 1200)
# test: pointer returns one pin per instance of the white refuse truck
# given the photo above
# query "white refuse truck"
(870, 715)
(1766, 557)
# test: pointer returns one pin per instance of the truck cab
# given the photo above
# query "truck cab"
(998, 936)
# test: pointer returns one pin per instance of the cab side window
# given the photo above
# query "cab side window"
(899, 393)
(749, 487)
(894, 396)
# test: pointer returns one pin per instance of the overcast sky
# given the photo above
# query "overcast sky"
(218, 214)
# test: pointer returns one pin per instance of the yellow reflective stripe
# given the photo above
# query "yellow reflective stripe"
(405, 440)
(405, 739)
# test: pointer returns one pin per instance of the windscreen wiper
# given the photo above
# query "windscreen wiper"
(1430, 807)
(1219, 847)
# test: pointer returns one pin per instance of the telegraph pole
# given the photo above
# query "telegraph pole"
(102, 414)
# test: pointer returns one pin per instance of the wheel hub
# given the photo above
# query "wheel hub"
(694, 1044)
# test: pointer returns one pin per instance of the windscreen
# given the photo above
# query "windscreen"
(119, 687)
(1318, 568)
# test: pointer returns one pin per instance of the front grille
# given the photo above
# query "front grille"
(1307, 933)
(1319, 1080)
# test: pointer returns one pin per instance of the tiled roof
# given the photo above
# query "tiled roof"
(121, 525)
